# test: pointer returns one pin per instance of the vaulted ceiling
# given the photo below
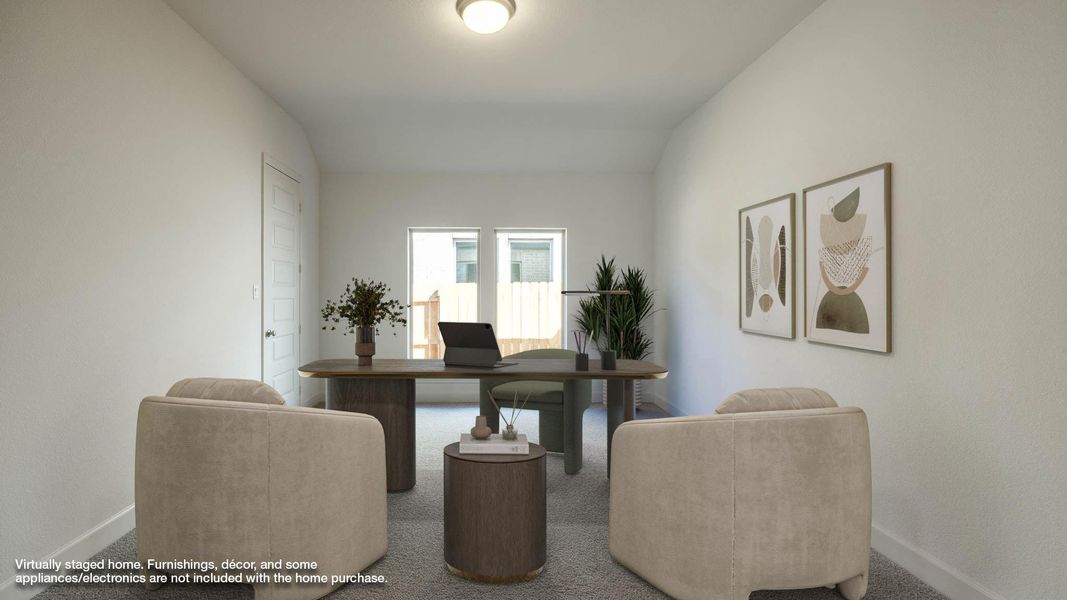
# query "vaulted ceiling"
(568, 85)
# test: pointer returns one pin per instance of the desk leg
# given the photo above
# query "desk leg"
(620, 408)
(572, 427)
(485, 405)
(392, 402)
(628, 395)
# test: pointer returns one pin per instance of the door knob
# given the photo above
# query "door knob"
(270, 333)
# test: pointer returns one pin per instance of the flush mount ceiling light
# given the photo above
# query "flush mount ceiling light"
(485, 16)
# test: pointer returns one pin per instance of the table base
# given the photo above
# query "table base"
(495, 578)
(392, 402)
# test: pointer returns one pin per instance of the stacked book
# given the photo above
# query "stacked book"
(494, 445)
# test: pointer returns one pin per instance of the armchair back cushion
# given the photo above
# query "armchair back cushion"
(760, 400)
(233, 390)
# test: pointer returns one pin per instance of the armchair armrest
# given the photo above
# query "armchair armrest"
(201, 479)
(671, 505)
(802, 488)
(222, 480)
(327, 490)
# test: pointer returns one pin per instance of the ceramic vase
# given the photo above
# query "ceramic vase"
(481, 430)
(364, 345)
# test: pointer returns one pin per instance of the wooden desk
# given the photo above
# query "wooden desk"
(386, 390)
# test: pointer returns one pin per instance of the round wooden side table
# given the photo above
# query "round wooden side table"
(495, 527)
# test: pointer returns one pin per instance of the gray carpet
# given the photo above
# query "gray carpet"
(578, 562)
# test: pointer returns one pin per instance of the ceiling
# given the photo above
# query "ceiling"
(567, 86)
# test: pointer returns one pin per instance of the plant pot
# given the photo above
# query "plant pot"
(364, 345)
(607, 360)
(581, 362)
(481, 430)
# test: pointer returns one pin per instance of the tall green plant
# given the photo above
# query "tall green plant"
(591, 310)
(628, 322)
(629, 314)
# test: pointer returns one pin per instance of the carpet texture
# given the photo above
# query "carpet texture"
(578, 563)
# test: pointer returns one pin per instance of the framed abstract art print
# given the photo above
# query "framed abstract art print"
(767, 268)
(847, 260)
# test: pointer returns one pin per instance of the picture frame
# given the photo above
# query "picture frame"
(767, 267)
(847, 260)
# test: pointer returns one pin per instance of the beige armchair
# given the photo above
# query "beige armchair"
(720, 506)
(224, 470)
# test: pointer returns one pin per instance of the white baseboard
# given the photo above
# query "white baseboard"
(663, 403)
(317, 399)
(83, 547)
(935, 573)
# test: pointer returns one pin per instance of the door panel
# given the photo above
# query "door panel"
(281, 283)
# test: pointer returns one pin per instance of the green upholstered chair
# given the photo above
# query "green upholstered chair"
(560, 404)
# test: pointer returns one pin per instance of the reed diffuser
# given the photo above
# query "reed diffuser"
(510, 433)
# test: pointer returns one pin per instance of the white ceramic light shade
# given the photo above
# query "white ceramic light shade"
(485, 16)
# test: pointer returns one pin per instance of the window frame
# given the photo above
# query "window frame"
(480, 254)
(492, 308)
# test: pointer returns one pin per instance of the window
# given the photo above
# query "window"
(531, 261)
(466, 260)
(443, 285)
(529, 279)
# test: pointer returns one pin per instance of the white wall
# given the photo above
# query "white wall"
(967, 415)
(130, 241)
(365, 219)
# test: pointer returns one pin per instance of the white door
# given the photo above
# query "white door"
(281, 282)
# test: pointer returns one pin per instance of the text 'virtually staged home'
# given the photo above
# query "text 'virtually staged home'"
(546, 299)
